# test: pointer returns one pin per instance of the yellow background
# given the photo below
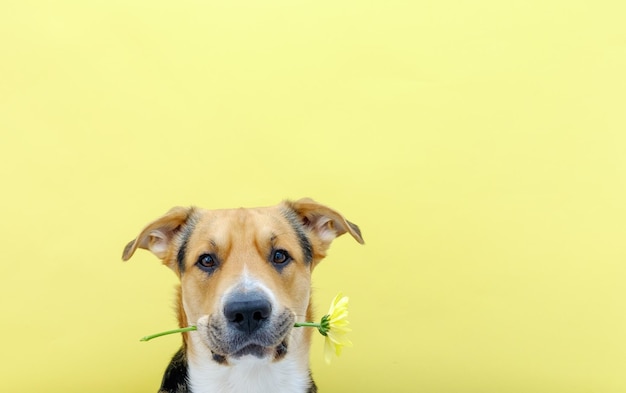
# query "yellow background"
(480, 145)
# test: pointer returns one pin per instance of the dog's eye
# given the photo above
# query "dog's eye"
(206, 262)
(280, 257)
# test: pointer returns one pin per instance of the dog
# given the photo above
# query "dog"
(245, 279)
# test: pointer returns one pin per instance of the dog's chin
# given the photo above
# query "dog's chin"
(252, 350)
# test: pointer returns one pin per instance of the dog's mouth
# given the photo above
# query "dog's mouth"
(261, 352)
(225, 342)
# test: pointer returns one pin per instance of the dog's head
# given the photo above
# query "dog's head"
(245, 273)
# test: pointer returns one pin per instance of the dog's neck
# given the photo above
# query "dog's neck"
(248, 374)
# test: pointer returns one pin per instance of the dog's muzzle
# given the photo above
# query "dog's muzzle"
(248, 325)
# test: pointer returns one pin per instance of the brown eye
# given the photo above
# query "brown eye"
(206, 262)
(280, 257)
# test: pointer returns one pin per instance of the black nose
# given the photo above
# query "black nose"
(247, 312)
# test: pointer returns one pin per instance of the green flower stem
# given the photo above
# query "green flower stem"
(192, 328)
(185, 329)
(307, 324)
(323, 326)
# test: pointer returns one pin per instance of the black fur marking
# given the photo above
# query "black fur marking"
(219, 359)
(180, 257)
(305, 243)
(184, 236)
(281, 351)
(175, 377)
(312, 387)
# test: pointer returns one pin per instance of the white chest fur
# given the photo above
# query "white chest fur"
(248, 375)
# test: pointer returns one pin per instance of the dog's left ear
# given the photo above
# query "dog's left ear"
(157, 236)
(323, 222)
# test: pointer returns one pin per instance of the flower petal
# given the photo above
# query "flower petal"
(337, 322)
(328, 350)
(339, 339)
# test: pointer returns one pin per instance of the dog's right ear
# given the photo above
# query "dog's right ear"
(158, 235)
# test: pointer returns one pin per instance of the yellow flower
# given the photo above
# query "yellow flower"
(334, 327)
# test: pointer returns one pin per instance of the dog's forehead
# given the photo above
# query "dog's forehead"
(242, 222)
